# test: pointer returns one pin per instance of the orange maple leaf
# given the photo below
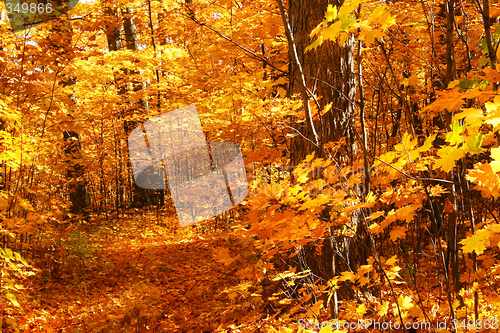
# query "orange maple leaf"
(398, 232)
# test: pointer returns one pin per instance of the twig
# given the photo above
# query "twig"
(251, 53)
(412, 177)
(304, 91)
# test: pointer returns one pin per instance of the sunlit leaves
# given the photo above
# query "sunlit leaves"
(246, 101)
(448, 157)
(319, 201)
(375, 215)
(495, 155)
(437, 190)
(485, 180)
(455, 135)
(13, 266)
(476, 243)
(482, 239)
(398, 232)
(331, 13)
(346, 21)
(383, 309)
(493, 112)
(405, 302)
(474, 144)
(471, 115)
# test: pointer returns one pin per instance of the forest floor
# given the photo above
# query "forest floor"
(136, 275)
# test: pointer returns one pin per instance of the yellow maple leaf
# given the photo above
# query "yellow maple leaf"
(383, 309)
(302, 178)
(471, 115)
(455, 135)
(486, 179)
(363, 270)
(331, 13)
(375, 215)
(476, 243)
(448, 157)
(437, 190)
(314, 310)
(406, 212)
(492, 106)
(346, 276)
(320, 162)
(427, 144)
(391, 261)
(309, 157)
(317, 202)
(333, 31)
(361, 310)
(370, 197)
(391, 217)
(405, 302)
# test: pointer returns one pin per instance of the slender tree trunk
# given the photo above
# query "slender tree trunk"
(451, 70)
(299, 72)
(139, 195)
(115, 43)
(487, 21)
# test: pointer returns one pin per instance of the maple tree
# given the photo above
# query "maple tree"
(370, 132)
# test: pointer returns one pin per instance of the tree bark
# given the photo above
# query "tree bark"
(329, 72)
(140, 196)
(451, 70)
(78, 192)
(487, 22)
(302, 84)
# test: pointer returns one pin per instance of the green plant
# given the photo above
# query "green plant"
(79, 247)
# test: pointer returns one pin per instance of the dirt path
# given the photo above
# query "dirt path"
(136, 276)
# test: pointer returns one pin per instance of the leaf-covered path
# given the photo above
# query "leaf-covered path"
(133, 275)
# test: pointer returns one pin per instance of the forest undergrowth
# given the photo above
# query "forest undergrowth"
(370, 135)
(134, 274)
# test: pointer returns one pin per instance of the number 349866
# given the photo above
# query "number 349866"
(31, 8)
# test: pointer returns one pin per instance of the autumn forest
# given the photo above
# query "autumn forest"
(369, 132)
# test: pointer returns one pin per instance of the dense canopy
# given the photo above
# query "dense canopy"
(370, 135)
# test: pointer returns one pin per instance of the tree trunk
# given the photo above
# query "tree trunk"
(451, 70)
(140, 196)
(79, 196)
(115, 43)
(329, 72)
(78, 192)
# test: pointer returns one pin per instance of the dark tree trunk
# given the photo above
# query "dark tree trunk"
(139, 196)
(78, 192)
(329, 71)
(115, 43)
